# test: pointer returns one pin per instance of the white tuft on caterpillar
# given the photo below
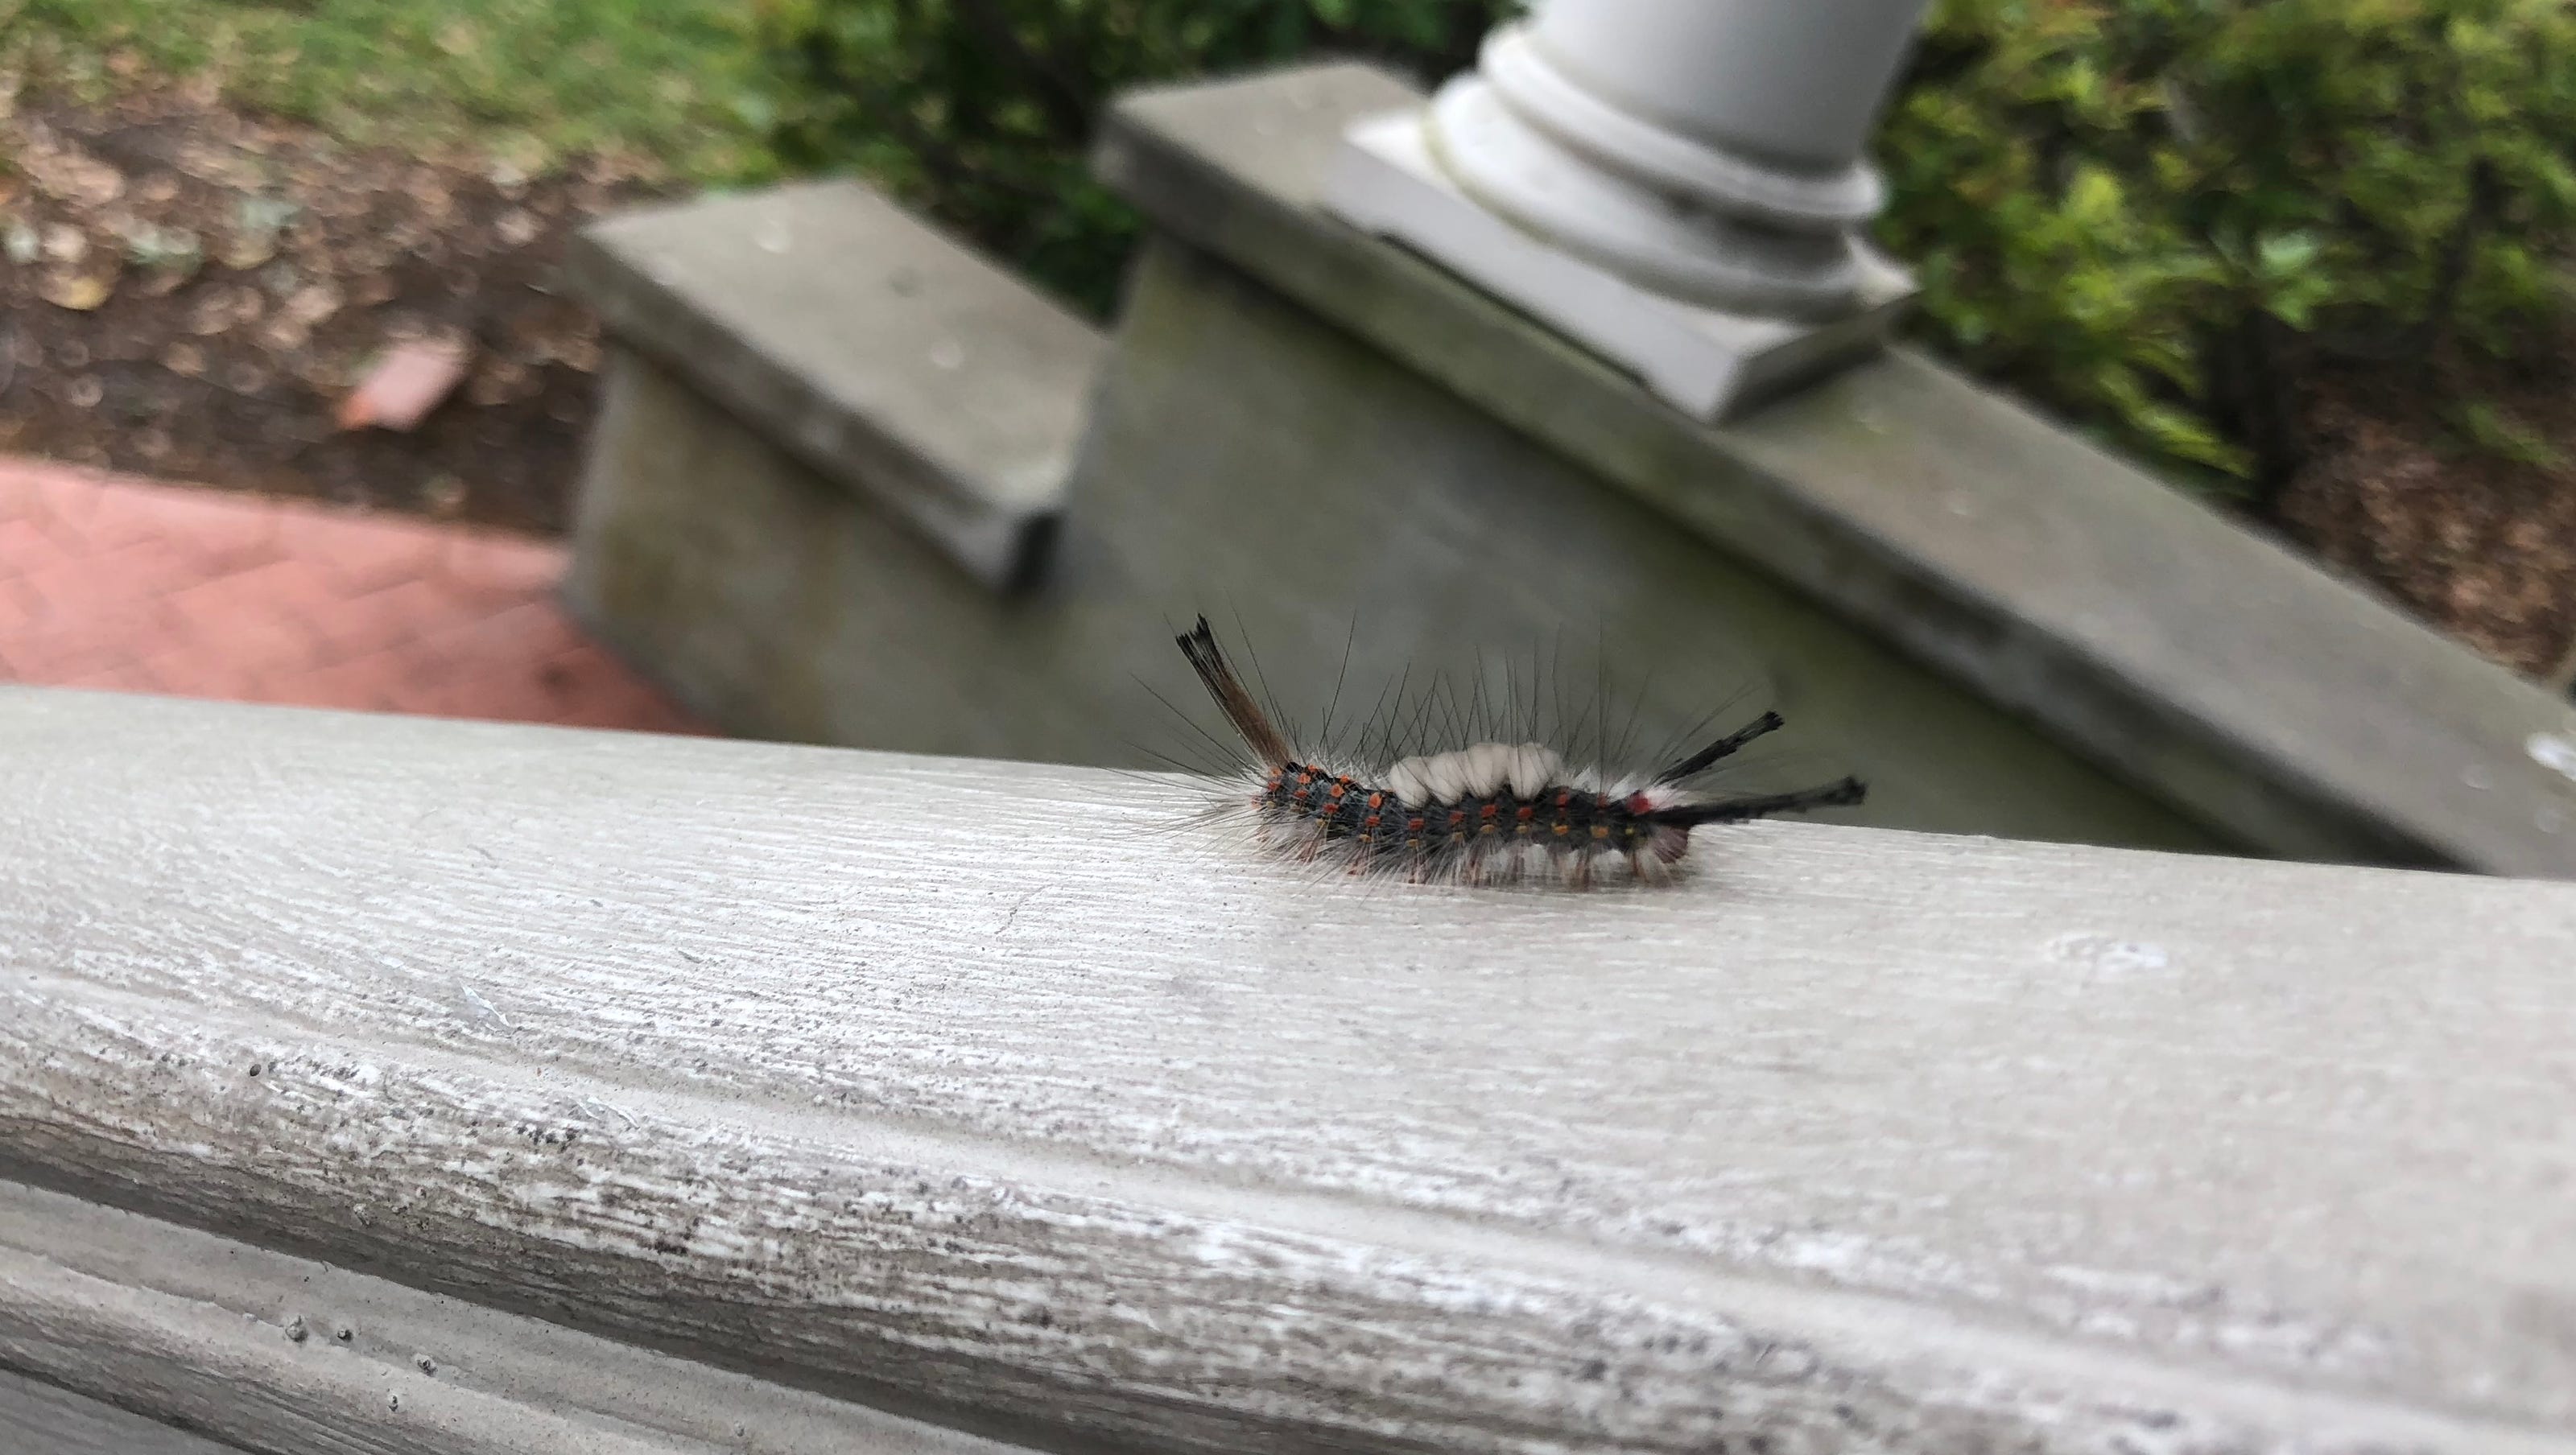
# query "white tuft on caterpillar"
(1489, 812)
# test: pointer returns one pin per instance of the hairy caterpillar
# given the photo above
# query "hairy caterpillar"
(1487, 812)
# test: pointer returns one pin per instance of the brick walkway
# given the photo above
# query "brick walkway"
(124, 585)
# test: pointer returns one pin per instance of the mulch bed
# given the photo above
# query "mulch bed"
(193, 291)
(2479, 543)
(190, 292)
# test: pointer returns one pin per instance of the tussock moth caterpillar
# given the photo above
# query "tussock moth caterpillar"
(1487, 812)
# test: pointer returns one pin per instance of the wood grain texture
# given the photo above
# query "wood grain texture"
(43, 1420)
(974, 1088)
(276, 1353)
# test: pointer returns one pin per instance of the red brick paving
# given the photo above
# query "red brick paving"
(140, 587)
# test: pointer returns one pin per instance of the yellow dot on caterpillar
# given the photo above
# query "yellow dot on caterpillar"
(1487, 829)
(1602, 831)
(1559, 831)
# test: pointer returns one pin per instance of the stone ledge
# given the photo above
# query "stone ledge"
(879, 351)
(2225, 673)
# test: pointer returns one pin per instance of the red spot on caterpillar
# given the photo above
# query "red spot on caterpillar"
(1478, 781)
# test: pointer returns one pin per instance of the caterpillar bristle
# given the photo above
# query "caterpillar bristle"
(1488, 812)
(1268, 748)
(1768, 805)
(1725, 747)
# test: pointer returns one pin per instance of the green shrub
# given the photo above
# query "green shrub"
(980, 111)
(2158, 216)
(2163, 216)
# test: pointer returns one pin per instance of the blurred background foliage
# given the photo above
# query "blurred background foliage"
(2156, 216)
(980, 111)
(531, 82)
(2165, 215)
(2161, 218)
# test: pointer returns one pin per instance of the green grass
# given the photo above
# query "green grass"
(526, 81)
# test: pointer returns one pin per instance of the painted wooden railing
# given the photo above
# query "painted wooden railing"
(391, 1085)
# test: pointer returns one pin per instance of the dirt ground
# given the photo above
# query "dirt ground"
(191, 292)
(2479, 541)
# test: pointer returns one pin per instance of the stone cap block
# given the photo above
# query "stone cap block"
(2236, 679)
(880, 351)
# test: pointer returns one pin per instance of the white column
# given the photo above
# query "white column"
(1677, 183)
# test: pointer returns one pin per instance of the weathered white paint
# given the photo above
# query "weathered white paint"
(1708, 362)
(1677, 184)
(1794, 86)
(47, 1418)
(972, 1087)
(273, 1352)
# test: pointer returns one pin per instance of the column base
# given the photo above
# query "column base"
(1704, 361)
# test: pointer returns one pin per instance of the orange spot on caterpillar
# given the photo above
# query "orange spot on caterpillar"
(1369, 822)
(1486, 812)
(1457, 816)
(1413, 825)
(1377, 800)
(1564, 797)
(1523, 813)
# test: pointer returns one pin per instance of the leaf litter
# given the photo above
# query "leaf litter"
(201, 293)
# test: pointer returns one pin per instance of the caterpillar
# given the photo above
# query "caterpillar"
(1490, 812)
